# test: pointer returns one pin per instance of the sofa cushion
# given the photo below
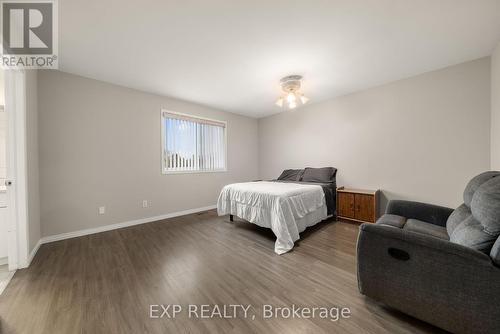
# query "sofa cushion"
(457, 217)
(325, 174)
(475, 183)
(418, 226)
(291, 175)
(495, 252)
(470, 233)
(392, 220)
(485, 206)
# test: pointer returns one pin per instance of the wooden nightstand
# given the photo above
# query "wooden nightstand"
(357, 205)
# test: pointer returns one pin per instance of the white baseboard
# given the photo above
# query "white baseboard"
(80, 233)
(57, 237)
(5, 282)
(33, 253)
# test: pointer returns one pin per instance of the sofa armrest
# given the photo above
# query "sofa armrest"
(429, 213)
(451, 286)
(418, 240)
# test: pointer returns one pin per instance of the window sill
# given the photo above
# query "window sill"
(165, 172)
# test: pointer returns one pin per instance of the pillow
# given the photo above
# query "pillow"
(291, 175)
(325, 174)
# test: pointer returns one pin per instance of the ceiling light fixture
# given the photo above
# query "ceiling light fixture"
(292, 96)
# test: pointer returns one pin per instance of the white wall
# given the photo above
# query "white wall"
(495, 109)
(100, 146)
(420, 138)
(32, 162)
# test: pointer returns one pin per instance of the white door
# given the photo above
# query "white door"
(3, 173)
(3, 228)
(16, 211)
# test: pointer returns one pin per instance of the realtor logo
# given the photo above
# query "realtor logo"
(29, 34)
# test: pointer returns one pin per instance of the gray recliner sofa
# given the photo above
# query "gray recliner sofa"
(437, 264)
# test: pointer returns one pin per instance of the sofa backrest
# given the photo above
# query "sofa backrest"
(495, 252)
(476, 223)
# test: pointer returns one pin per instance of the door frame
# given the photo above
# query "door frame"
(17, 196)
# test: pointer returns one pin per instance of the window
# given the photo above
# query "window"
(192, 144)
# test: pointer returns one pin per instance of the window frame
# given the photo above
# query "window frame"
(164, 169)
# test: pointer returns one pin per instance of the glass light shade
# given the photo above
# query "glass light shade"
(279, 103)
(292, 96)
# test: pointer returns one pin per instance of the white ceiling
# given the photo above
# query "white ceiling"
(231, 54)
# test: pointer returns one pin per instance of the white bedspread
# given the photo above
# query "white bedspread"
(286, 208)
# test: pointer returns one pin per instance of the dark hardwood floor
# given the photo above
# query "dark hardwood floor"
(105, 283)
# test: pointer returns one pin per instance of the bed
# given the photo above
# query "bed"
(299, 198)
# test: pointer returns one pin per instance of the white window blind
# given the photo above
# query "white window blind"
(192, 144)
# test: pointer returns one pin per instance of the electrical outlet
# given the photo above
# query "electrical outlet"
(145, 203)
(102, 210)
